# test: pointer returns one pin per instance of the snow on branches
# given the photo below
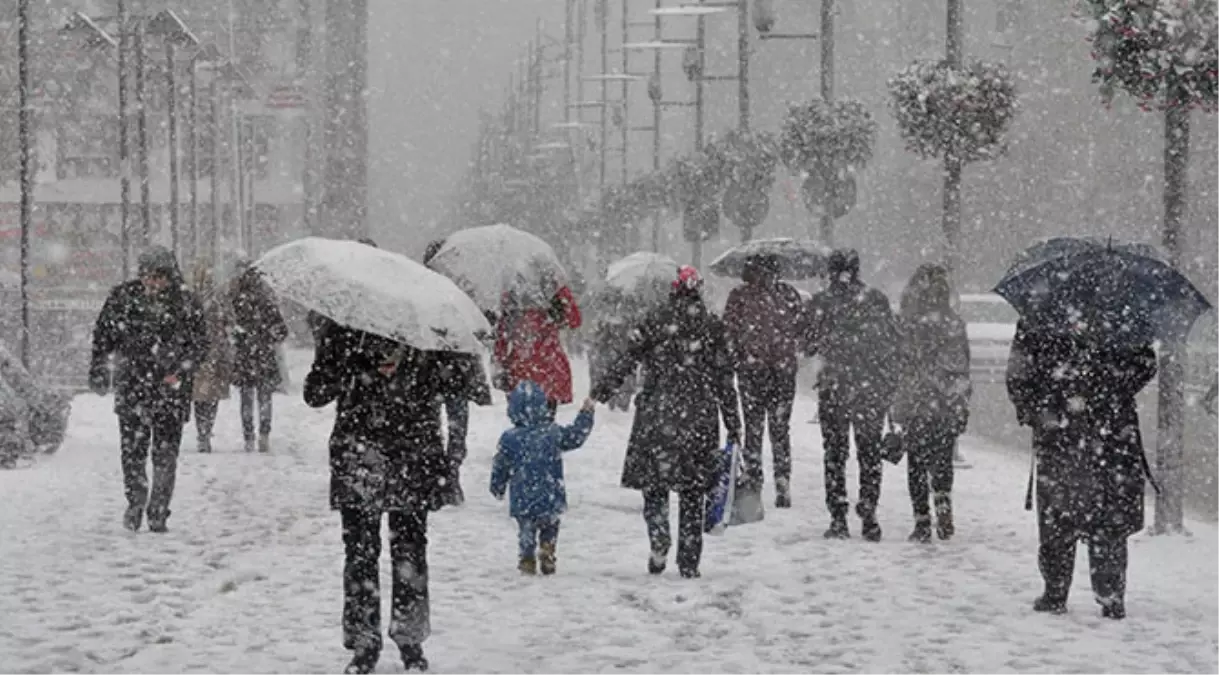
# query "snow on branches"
(954, 112)
(816, 134)
(1162, 52)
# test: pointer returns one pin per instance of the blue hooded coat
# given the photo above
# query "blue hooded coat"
(529, 460)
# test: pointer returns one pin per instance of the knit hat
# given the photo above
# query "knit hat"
(157, 260)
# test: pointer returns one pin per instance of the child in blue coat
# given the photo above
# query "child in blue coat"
(529, 462)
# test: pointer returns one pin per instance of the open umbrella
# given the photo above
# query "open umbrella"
(642, 279)
(487, 262)
(1125, 292)
(377, 291)
(798, 258)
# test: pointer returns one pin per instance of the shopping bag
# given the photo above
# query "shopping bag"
(720, 498)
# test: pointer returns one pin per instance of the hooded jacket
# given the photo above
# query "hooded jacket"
(764, 320)
(529, 461)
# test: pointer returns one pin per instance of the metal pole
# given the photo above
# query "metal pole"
(192, 159)
(536, 72)
(658, 36)
(214, 169)
(171, 101)
(27, 168)
(251, 158)
(603, 19)
(952, 164)
(141, 104)
(239, 159)
(696, 246)
(626, 94)
(124, 143)
(567, 38)
(829, 174)
(742, 45)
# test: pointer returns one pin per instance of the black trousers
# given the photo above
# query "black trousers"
(689, 527)
(839, 411)
(205, 417)
(263, 396)
(929, 447)
(1059, 529)
(162, 434)
(410, 618)
(766, 401)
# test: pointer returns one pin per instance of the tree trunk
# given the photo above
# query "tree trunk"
(1170, 425)
(952, 218)
(827, 95)
(345, 174)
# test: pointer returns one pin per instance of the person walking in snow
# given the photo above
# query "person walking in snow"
(852, 328)
(931, 405)
(387, 456)
(153, 328)
(529, 464)
(466, 372)
(259, 329)
(1076, 391)
(215, 372)
(675, 438)
(528, 346)
(764, 319)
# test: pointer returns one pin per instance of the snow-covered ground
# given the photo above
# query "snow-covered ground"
(248, 579)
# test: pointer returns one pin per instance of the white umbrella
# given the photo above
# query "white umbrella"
(489, 261)
(377, 291)
(639, 269)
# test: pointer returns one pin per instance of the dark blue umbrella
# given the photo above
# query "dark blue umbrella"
(1121, 292)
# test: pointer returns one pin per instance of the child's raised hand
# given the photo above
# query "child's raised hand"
(589, 405)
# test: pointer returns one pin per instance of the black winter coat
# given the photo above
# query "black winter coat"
(687, 387)
(933, 370)
(150, 340)
(852, 328)
(386, 449)
(259, 328)
(1080, 403)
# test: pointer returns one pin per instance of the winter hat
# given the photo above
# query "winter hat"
(157, 260)
(688, 279)
(844, 261)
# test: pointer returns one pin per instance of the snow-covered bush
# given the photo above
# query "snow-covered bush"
(1160, 51)
(960, 113)
(695, 183)
(749, 161)
(819, 135)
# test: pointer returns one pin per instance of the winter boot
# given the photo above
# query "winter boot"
(1050, 605)
(1114, 610)
(871, 528)
(943, 516)
(156, 522)
(838, 529)
(546, 557)
(133, 517)
(364, 661)
(528, 566)
(656, 563)
(264, 443)
(413, 658)
(690, 573)
(922, 530)
(783, 493)
(205, 444)
(250, 444)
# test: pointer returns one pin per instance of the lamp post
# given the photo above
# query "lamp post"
(175, 34)
(207, 54)
(24, 121)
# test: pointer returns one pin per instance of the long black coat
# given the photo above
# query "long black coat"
(933, 370)
(150, 339)
(386, 449)
(1080, 402)
(258, 331)
(687, 387)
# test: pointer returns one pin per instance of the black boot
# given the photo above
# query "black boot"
(783, 493)
(156, 522)
(922, 530)
(656, 563)
(871, 529)
(1115, 609)
(133, 517)
(364, 661)
(1050, 605)
(838, 529)
(413, 659)
(690, 573)
(944, 528)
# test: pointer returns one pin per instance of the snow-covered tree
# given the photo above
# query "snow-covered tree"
(1163, 53)
(749, 160)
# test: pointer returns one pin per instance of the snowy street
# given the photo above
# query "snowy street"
(248, 577)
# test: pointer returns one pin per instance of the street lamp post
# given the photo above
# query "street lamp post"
(206, 54)
(175, 32)
(24, 123)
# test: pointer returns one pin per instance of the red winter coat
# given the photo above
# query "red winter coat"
(527, 346)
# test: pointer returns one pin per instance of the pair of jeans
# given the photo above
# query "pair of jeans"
(205, 418)
(766, 401)
(689, 528)
(534, 531)
(839, 411)
(929, 447)
(263, 396)
(410, 616)
(162, 434)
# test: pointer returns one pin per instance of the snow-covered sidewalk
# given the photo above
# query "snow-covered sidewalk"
(248, 578)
